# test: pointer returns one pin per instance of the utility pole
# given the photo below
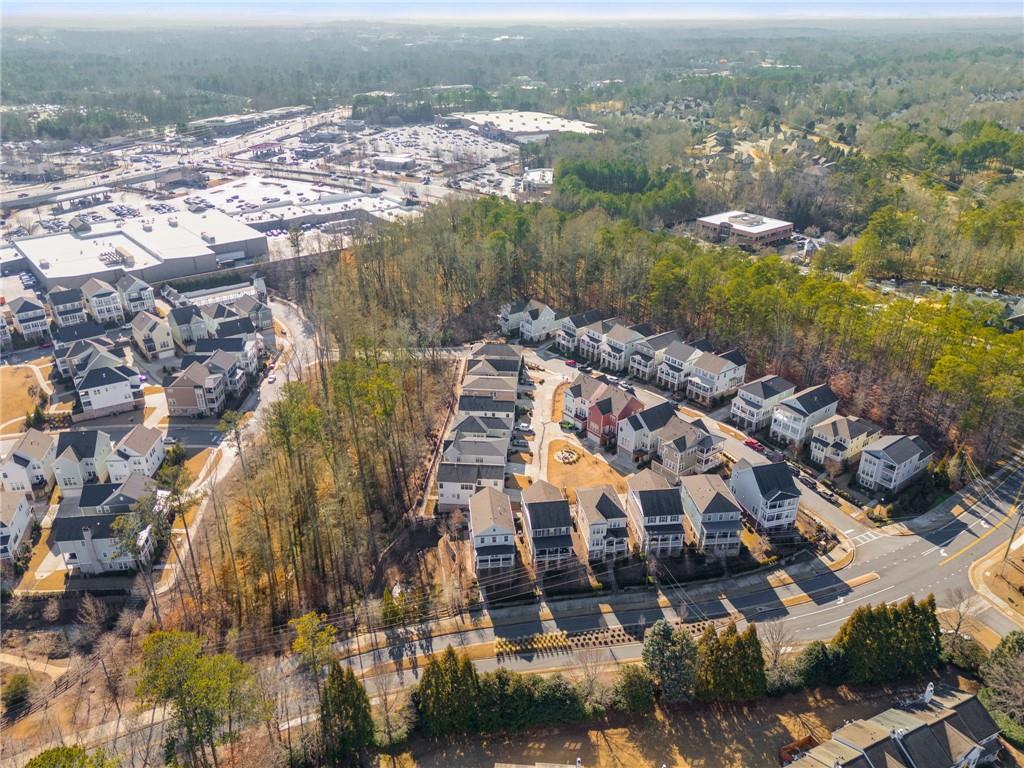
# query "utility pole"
(1016, 525)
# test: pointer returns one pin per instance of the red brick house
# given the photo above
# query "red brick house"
(607, 411)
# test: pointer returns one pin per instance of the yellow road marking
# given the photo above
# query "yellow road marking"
(995, 527)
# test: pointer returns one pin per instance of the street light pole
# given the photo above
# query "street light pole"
(1016, 525)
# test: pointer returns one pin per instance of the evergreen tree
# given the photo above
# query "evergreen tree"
(885, 642)
(634, 690)
(71, 757)
(346, 724)
(671, 658)
(446, 695)
(820, 664)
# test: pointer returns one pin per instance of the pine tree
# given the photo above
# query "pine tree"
(346, 724)
(671, 657)
(446, 695)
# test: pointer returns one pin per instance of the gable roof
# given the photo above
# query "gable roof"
(129, 282)
(104, 376)
(82, 444)
(474, 403)
(146, 322)
(708, 494)
(683, 350)
(33, 444)
(236, 327)
(661, 341)
(450, 472)
(492, 366)
(490, 507)
(494, 349)
(541, 490)
(140, 440)
(845, 427)
(10, 503)
(60, 296)
(70, 334)
(185, 315)
(809, 400)
(647, 480)
(774, 480)
(585, 318)
(899, 448)
(712, 363)
(653, 418)
(613, 401)
(195, 374)
(599, 504)
(234, 344)
(524, 305)
(21, 304)
(767, 387)
(585, 386)
(480, 446)
(95, 288)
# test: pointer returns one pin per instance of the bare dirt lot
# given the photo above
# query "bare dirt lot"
(585, 473)
(19, 387)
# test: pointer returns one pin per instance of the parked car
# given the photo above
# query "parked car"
(751, 443)
(571, 363)
(271, 379)
(809, 482)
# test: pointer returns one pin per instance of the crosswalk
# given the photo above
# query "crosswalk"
(865, 537)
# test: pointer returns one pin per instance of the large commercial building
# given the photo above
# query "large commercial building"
(741, 228)
(512, 125)
(153, 249)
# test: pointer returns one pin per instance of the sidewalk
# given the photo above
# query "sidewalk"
(984, 570)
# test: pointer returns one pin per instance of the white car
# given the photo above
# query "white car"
(271, 379)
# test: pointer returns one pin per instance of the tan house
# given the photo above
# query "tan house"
(197, 391)
(152, 336)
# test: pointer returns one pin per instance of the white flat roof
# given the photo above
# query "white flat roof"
(66, 255)
(751, 223)
(512, 121)
(540, 175)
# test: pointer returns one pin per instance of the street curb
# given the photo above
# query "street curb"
(976, 578)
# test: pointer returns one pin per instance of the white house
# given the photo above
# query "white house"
(677, 361)
(29, 465)
(67, 305)
(579, 396)
(533, 320)
(570, 328)
(655, 514)
(637, 434)
(476, 450)
(136, 295)
(15, 522)
(591, 338)
(714, 376)
(486, 406)
(105, 389)
(754, 402)
(141, 450)
(838, 441)
(794, 417)
(619, 342)
(103, 302)
(456, 483)
(712, 515)
(601, 521)
(768, 494)
(30, 319)
(686, 448)
(548, 522)
(892, 462)
(81, 458)
(648, 354)
(152, 336)
(492, 530)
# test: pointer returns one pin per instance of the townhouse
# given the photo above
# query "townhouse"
(245, 351)
(457, 482)
(6, 339)
(485, 406)
(103, 302)
(579, 396)
(677, 361)
(601, 521)
(637, 434)
(30, 319)
(74, 341)
(648, 354)
(610, 406)
(152, 336)
(492, 530)
(712, 515)
(476, 450)
(837, 442)
(767, 493)
(15, 522)
(141, 451)
(591, 338)
(752, 407)
(480, 427)
(570, 328)
(261, 317)
(187, 326)
(795, 416)
(136, 295)
(687, 448)
(28, 467)
(548, 522)
(654, 512)
(618, 344)
(714, 376)
(197, 391)
(892, 462)
(504, 388)
(81, 458)
(67, 306)
(530, 319)
(83, 528)
(106, 388)
(941, 729)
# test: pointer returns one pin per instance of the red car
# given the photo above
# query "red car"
(752, 443)
(571, 363)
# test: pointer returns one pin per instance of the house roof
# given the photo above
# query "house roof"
(60, 296)
(70, 528)
(653, 418)
(218, 311)
(234, 344)
(493, 349)
(145, 322)
(82, 444)
(450, 472)
(140, 440)
(21, 304)
(683, 435)
(898, 448)
(712, 363)
(683, 350)
(874, 740)
(599, 504)
(104, 376)
(602, 326)
(194, 374)
(471, 403)
(810, 400)
(541, 490)
(658, 502)
(130, 282)
(661, 341)
(33, 445)
(774, 480)
(236, 327)
(549, 514)
(10, 503)
(708, 495)
(481, 446)
(767, 387)
(492, 366)
(496, 383)
(917, 738)
(585, 386)
(523, 305)
(80, 332)
(647, 480)
(613, 401)
(469, 425)
(974, 716)
(117, 495)
(585, 318)
(490, 507)
(184, 315)
(96, 288)
(623, 334)
(845, 427)
(831, 754)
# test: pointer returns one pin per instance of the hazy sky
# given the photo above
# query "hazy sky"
(510, 9)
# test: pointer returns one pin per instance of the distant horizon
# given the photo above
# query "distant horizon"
(257, 12)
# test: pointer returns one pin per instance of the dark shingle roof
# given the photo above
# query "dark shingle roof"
(99, 377)
(899, 448)
(82, 443)
(773, 480)
(235, 327)
(549, 514)
(234, 344)
(71, 334)
(471, 403)
(812, 399)
(653, 418)
(655, 503)
(448, 472)
(767, 387)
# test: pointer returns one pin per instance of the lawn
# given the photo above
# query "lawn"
(589, 471)
(16, 402)
(558, 402)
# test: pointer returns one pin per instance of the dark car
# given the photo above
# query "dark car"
(809, 482)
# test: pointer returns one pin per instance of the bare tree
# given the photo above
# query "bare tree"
(1004, 682)
(776, 640)
(92, 619)
(587, 673)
